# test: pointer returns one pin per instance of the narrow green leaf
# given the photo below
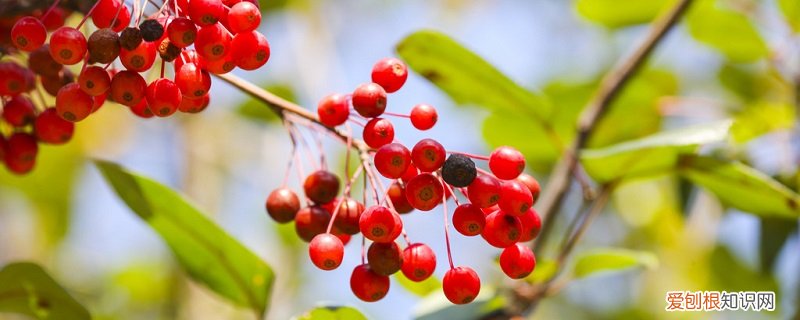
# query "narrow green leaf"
(612, 260)
(620, 13)
(332, 313)
(206, 252)
(27, 289)
(727, 31)
(742, 187)
(791, 10)
(650, 155)
(422, 288)
(257, 111)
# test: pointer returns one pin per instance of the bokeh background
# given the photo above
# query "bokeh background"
(227, 159)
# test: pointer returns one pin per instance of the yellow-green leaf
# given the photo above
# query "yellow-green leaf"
(27, 289)
(761, 118)
(620, 13)
(611, 260)
(545, 270)
(422, 288)
(205, 251)
(332, 313)
(727, 31)
(791, 11)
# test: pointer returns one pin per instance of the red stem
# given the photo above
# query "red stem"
(397, 115)
(473, 156)
(446, 229)
(88, 14)
(50, 9)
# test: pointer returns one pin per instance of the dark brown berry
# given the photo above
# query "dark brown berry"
(168, 51)
(103, 46)
(459, 170)
(151, 29)
(130, 38)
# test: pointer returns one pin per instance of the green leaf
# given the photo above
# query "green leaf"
(650, 155)
(620, 13)
(422, 288)
(259, 112)
(727, 31)
(791, 10)
(206, 252)
(332, 313)
(612, 260)
(436, 306)
(27, 289)
(760, 118)
(773, 234)
(742, 187)
(545, 270)
(730, 274)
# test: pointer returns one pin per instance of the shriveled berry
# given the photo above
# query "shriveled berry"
(469, 220)
(517, 261)
(515, 198)
(424, 192)
(380, 224)
(390, 73)
(311, 221)
(282, 205)
(461, 285)
(378, 132)
(94, 80)
(103, 46)
(385, 258)
(321, 186)
(369, 100)
(459, 170)
(73, 104)
(168, 51)
(506, 163)
(368, 285)
(428, 155)
(392, 160)
(423, 116)
(151, 29)
(333, 110)
(130, 38)
(326, 251)
(531, 225)
(502, 229)
(484, 191)
(397, 195)
(50, 128)
(419, 262)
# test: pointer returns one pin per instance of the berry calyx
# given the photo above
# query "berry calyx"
(326, 251)
(517, 261)
(461, 285)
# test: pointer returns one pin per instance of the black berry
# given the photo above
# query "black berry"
(459, 170)
(151, 29)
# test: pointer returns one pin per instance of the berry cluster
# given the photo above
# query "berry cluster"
(199, 37)
(497, 204)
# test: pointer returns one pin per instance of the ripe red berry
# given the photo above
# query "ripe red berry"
(348, 216)
(28, 34)
(3, 149)
(55, 19)
(385, 258)
(73, 104)
(531, 225)
(142, 110)
(244, 17)
(139, 59)
(311, 221)
(321, 186)
(532, 184)
(390, 73)
(419, 262)
(484, 191)
(163, 97)
(424, 192)
(502, 229)
(106, 11)
(181, 32)
(221, 66)
(369, 100)
(19, 111)
(461, 285)
(206, 12)
(469, 220)
(94, 80)
(411, 172)
(333, 110)
(250, 50)
(13, 79)
(326, 251)
(368, 285)
(515, 197)
(397, 195)
(517, 261)
(21, 151)
(380, 224)
(378, 132)
(392, 160)
(428, 155)
(187, 56)
(282, 205)
(212, 42)
(423, 116)
(193, 81)
(50, 128)
(128, 88)
(67, 45)
(506, 163)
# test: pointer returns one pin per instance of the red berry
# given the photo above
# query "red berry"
(20, 155)
(515, 198)
(380, 224)
(187, 56)
(531, 225)
(369, 100)
(484, 191)
(378, 132)
(181, 32)
(517, 261)
(428, 155)
(397, 195)
(368, 285)
(128, 88)
(19, 111)
(282, 205)
(419, 262)
(205, 12)
(212, 42)
(424, 192)
(163, 97)
(55, 19)
(392, 160)
(193, 81)
(469, 220)
(139, 59)
(411, 172)
(13, 79)
(506, 163)
(348, 216)
(390, 73)
(311, 221)
(142, 110)
(250, 50)
(461, 285)
(244, 17)
(28, 34)
(532, 184)
(73, 104)
(321, 186)
(222, 65)
(94, 80)
(333, 110)
(326, 251)
(106, 11)
(502, 229)
(385, 258)
(423, 116)
(3, 149)
(193, 105)
(50, 128)
(67, 45)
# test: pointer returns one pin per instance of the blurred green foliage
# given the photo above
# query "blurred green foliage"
(27, 289)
